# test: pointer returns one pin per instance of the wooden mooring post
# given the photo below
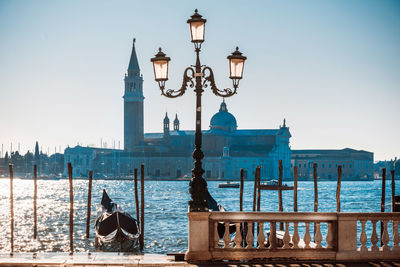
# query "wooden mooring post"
(383, 198)
(34, 201)
(71, 210)
(383, 189)
(137, 198)
(12, 207)
(89, 204)
(142, 207)
(255, 192)
(393, 191)
(241, 190)
(295, 189)
(339, 183)
(315, 193)
(258, 174)
(315, 187)
(242, 230)
(280, 192)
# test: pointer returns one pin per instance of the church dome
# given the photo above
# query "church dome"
(223, 120)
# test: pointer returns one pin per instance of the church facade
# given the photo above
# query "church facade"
(168, 154)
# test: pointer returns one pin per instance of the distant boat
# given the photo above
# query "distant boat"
(115, 229)
(228, 184)
(274, 185)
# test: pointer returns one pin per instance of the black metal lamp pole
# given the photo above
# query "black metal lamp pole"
(198, 186)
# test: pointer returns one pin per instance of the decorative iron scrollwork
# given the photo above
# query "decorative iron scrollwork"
(187, 81)
(209, 80)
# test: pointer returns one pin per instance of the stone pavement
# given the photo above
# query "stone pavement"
(155, 260)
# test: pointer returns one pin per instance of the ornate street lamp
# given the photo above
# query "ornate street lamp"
(198, 77)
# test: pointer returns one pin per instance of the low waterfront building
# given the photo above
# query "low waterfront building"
(396, 168)
(356, 164)
(85, 159)
(389, 165)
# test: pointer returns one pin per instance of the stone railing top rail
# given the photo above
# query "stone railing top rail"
(299, 216)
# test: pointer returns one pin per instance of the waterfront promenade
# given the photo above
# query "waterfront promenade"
(155, 260)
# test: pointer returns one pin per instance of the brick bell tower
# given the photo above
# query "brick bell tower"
(133, 105)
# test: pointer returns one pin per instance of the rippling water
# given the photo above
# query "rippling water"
(165, 209)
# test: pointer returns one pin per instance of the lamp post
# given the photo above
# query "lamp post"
(198, 77)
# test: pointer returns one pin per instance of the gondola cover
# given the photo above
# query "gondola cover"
(114, 224)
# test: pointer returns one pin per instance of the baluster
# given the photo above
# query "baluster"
(374, 237)
(317, 234)
(272, 235)
(238, 236)
(363, 237)
(286, 236)
(307, 236)
(396, 238)
(385, 236)
(227, 235)
(250, 237)
(268, 238)
(216, 236)
(329, 236)
(261, 237)
(296, 237)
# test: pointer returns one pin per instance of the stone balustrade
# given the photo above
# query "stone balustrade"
(300, 235)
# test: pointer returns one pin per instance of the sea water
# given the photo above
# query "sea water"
(166, 205)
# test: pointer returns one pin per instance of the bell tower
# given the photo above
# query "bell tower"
(166, 126)
(176, 123)
(133, 104)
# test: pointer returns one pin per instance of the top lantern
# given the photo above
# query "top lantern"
(197, 27)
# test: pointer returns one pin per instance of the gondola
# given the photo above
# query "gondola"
(115, 229)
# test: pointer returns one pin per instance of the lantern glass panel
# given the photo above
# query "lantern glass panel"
(236, 68)
(197, 31)
(161, 69)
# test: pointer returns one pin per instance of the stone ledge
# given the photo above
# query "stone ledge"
(58, 259)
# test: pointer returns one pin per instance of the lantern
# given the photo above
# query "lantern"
(236, 64)
(160, 65)
(197, 27)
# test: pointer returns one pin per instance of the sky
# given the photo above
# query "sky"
(331, 68)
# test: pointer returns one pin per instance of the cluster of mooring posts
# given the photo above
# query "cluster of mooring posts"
(257, 189)
(139, 217)
(257, 194)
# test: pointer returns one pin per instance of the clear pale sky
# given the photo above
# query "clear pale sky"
(331, 68)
